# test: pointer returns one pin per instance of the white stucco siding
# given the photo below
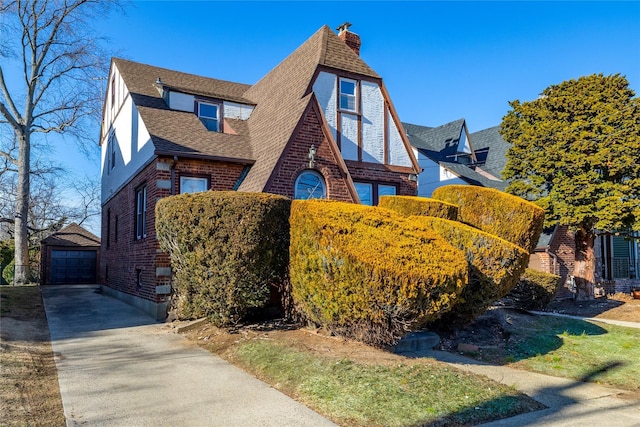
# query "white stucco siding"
(325, 89)
(133, 149)
(181, 101)
(398, 154)
(233, 110)
(372, 123)
(349, 136)
(433, 176)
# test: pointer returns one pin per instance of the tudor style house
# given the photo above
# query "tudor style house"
(321, 124)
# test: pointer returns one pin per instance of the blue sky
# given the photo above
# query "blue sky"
(440, 60)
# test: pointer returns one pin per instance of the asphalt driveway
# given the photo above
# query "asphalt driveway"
(118, 367)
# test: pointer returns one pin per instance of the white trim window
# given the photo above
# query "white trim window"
(141, 212)
(191, 184)
(310, 185)
(209, 115)
(348, 95)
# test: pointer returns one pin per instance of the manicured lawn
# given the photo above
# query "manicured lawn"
(576, 349)
(361, 394)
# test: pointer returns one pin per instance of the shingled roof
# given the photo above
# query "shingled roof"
(280, 99)
(73, 235)
(282, 96)
(168, 127)
(440, 144)
(491, 150)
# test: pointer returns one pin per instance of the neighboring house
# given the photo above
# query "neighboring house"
(320, 124)
(447, 156)
(618, 260)
(70, 256)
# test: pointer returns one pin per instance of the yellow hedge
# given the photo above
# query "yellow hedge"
(510, 217)
(409, 205)
(494, 267)
(368, 273)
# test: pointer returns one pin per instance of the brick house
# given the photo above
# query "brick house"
(320, 124)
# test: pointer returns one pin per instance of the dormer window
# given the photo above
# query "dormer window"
(209, 115)
(348, 94)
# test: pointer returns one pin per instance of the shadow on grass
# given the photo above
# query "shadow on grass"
(552, 400)
(544, 334)
(590, 308)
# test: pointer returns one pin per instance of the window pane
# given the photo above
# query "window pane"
(365, 192)
(386, 190)
(209, 110)
(347, 95)
(208, 114)
(347, 87)
(309, 185)
(192, 185)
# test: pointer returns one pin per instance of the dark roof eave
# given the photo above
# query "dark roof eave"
(200, 156)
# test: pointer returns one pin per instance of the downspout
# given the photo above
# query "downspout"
(173, 175)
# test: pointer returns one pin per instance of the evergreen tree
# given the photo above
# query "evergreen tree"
(576, 151)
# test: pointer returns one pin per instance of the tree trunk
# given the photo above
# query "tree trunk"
(584, 268)
(21, 237)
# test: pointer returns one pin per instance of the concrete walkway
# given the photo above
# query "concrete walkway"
(569, 403)
(118, 367)
(624, 323)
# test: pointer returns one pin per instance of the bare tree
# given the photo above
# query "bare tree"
(49, 44)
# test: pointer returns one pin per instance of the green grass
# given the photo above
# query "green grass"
(595, 352)
(351, 393)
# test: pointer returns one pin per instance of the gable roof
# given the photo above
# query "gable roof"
(491, 150)
(280, 100)
(440, 144)
(72, 235)
(284, 94)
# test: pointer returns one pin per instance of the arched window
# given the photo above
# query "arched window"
(310, 185)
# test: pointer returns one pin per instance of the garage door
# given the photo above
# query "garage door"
(73, 267)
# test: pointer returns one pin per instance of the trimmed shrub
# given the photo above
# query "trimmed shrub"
(509, 217)
(368, 273)
(535, 290)
(422, 206)
(494, 268)
(228, 250)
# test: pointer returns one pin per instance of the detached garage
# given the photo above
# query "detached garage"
(70, 256)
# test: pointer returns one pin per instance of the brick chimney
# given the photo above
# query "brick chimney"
(351, 39)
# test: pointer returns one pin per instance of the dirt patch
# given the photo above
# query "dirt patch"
(615, 307)
(219, 341)
(29, 390)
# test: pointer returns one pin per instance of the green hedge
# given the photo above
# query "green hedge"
(228, 251)
(535, 290)
(510, 217)
(368, 273)
(494, 267)
(409, 205)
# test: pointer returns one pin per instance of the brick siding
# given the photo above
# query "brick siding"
(125, 255)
